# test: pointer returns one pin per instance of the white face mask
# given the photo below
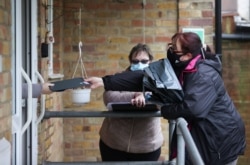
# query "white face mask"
(139, 66)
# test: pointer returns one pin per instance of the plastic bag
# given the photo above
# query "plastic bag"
(161, 79)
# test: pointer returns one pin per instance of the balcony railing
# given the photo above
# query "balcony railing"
(184, 138)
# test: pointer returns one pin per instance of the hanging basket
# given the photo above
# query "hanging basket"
(80, 95)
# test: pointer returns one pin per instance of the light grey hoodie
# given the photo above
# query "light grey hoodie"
(36, 90)
(134, 135)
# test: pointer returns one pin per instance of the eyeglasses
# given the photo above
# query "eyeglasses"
(173, 50)
(141, 61)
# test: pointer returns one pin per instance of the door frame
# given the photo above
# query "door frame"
(24, 62)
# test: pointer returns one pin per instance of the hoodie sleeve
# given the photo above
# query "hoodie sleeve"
(117, 96)
(36, 90)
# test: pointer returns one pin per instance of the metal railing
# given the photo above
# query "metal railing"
(184, 138)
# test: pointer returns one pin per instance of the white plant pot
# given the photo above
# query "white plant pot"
(81, 96)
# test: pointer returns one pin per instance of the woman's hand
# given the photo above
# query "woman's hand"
(46, 89)
(138, 100)
(94, 82)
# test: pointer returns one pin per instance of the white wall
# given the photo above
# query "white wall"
(229, 5)
(243, 9)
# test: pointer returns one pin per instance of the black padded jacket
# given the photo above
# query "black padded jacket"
(216, 126)
(214, 122)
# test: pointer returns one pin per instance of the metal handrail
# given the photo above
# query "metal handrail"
(71, 113)
(184, 138)
(109, 163)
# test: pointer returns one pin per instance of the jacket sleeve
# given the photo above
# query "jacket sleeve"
(200, 96)
(125, 81)
(36, 90)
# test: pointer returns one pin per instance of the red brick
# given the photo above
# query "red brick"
(140, 40)
(140, 23)
(201, 22)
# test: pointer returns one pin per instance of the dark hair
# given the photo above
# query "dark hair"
(138, 48)
(190, 42)
(209, 53)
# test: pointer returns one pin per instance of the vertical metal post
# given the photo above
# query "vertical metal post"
(183, 134)
(180, 146)
(218, 29)
(171, 128)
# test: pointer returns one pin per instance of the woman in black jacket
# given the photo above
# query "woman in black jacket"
(214, 122)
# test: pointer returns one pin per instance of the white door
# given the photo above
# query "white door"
(24, 62)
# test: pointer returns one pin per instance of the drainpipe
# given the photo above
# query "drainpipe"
(218, 31)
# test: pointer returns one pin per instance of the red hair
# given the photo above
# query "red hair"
(190, 42)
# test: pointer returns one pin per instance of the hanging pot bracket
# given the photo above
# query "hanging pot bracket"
(80, 62)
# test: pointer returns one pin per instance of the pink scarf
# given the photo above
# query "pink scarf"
(189, 68)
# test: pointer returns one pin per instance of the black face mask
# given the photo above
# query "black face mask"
(175, 60)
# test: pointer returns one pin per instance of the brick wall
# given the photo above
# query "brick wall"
(5, 73)
(109, 30)
(50, 131)
(236, 60)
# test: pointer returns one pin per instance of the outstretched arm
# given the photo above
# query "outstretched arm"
(37, 89)
(125, 81)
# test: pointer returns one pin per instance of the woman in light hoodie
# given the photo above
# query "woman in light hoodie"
(131, 139)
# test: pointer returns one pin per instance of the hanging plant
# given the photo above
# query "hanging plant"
(80, 95)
